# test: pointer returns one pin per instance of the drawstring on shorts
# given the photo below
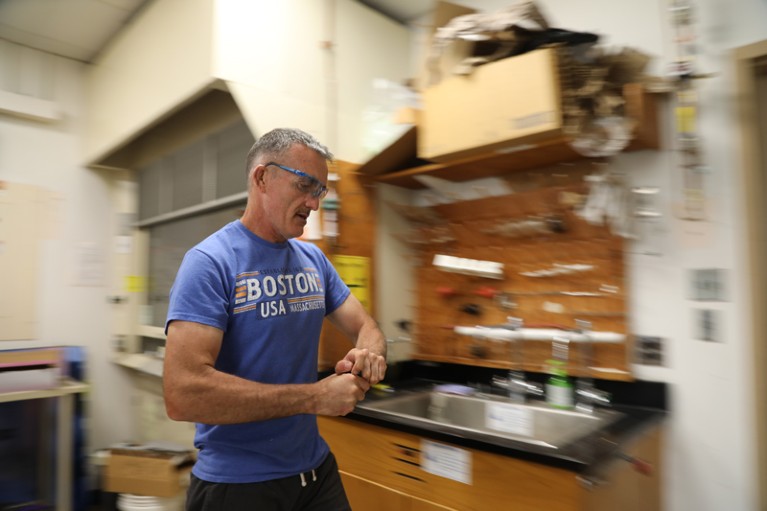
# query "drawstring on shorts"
(303, 479)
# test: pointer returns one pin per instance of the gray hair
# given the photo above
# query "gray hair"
(275, 143)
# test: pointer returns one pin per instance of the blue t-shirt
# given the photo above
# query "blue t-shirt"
(270, 300)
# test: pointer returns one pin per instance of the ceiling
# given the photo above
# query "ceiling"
(402, 11)
(79, 29)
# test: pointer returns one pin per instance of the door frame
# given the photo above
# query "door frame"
(747, 59)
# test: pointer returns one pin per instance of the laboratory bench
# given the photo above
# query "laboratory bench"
(388, 461)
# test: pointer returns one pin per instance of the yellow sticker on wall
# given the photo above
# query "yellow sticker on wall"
(355, 272)
(134, 284)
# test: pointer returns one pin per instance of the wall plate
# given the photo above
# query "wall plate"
(648, 350)
(708, 285)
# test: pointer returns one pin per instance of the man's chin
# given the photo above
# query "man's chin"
(298, 230)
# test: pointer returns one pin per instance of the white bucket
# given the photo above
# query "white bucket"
(130, 502)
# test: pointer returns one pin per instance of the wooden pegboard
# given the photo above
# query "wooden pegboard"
(479, 230)
(356, 228)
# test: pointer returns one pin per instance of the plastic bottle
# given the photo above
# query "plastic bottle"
(559, 387)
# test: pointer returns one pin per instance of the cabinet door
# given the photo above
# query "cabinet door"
(366, 495)
(624, 487)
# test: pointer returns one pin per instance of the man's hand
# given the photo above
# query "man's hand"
(364, 363)
(340, 393)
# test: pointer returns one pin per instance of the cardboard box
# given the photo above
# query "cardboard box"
(436, 67)
(31, 369)
(446, 53)
(406, 115)
(507, 103)
(147, 472)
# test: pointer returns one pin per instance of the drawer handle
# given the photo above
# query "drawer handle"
(642, 466)
(409, 462)
(415, 478)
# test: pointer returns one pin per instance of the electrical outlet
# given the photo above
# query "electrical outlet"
(648, 350)
(708, 325)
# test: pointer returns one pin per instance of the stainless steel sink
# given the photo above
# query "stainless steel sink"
(490, 417)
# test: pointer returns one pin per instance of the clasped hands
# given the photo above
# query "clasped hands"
(363, 363)
(354, 374)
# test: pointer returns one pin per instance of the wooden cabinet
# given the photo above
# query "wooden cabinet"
(384, 469)
(369, 496)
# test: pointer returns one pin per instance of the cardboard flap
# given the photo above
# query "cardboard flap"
(399, 155)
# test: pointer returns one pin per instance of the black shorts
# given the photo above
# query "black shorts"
(317, 490)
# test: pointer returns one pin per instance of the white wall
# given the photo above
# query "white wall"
(708, 456)
(162, 60)
(308, 63)
(48, 156)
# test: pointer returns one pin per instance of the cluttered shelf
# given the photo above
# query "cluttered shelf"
(398, 164)
(466, 131)
(513, 159)
(38, 373)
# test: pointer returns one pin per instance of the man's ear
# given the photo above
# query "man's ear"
(259, 176)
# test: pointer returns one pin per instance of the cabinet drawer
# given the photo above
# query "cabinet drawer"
(394, 459)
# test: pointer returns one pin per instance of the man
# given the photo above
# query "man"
(243, 329)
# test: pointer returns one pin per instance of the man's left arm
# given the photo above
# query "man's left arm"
(368, 357)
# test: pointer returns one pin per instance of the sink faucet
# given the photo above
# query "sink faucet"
(586, 394)
(515, 383)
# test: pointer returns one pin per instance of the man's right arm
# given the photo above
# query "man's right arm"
(196, 391)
